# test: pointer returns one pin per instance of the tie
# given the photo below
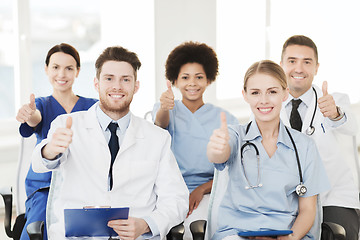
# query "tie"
(295, 119)
(114, 148)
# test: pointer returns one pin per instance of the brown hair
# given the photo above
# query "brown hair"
(302, 41)
(65, 48)
(266, 67)
(118, 54)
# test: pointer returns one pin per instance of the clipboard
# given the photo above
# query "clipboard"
(92, 222)
(267, 233)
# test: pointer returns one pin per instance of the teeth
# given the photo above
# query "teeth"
(61, 82)
(116, 96)
(298, 77)
(264, 109)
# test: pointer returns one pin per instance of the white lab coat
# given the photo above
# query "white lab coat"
(343, 188)
(146, 176)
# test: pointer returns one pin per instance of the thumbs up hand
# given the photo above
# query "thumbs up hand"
(59, 142)
(167, 101)
(26, 112)
(218, 148)
(327, 103)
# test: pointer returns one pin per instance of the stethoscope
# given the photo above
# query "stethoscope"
(311, 129)
(300, 188)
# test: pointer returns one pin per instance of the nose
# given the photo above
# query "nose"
(61, 73)
(264, 98)
(299, 67)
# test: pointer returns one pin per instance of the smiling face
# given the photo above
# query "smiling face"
(192, 82)
(62, 71)
(116, 87)
(265, 96)
(300, 66)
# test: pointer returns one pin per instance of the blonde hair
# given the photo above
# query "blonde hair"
(266, 67)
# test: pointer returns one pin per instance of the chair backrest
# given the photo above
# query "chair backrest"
(219, 187)
(25, 151)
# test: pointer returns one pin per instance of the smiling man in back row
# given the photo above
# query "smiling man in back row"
(324, 117)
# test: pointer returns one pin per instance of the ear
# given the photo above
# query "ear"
(46, 69)
(78, 71)
(96, 84)
(286, 94)
(317, 68)
(137, 86)
(244, 95)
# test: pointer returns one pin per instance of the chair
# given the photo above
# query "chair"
(19, 194)
(205, 229)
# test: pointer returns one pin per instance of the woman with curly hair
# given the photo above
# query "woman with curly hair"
(191, 67)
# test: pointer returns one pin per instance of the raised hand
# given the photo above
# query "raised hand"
(218, 148)
(27, 110)
(327, 103)
(167, 98)
(59, 142)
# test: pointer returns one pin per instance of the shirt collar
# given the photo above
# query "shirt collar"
(283, 136)
(305, 98)
(104, 120)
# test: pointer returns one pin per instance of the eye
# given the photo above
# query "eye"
(185, 77)
(273, 92)
(126, 79)
(291, 61)
(69, 69)
(307, 62)
(254, 93)
(199, 77)
(55, 67)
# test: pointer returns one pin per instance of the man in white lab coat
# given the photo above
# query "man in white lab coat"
(144, 175)
(331, 116)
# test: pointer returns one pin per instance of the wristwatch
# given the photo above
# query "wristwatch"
(340, 112)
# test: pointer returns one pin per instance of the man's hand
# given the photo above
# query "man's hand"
(167, 98)
(60, 141)
(218, 149)
(327, 103)
(129, 229)
(27, 110)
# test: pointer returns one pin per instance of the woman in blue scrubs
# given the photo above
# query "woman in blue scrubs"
(191, 67)
(62, 66)
(261, 193)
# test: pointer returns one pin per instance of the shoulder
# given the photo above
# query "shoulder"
(149, 128)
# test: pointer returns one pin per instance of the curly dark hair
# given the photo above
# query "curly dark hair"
(192, 52)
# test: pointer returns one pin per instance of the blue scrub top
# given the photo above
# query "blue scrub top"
(190, 133)
(49, 108)
(274, 206)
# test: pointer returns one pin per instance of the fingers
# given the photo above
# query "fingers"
(325, 88)
(167, 99)
(68, 123)
(223, 125)
(168, 84)
(327, 103)
(32, 104)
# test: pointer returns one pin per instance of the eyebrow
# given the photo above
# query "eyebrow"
(256, 89)
(55, 64)
(112, 75)
(308, 59)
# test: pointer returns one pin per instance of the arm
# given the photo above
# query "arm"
(305, 219)
(218, 148)
(166, 103)
(29, 114)
(197, 195)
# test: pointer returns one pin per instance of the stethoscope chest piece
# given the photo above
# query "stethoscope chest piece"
(300, 189)
(310, 130)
